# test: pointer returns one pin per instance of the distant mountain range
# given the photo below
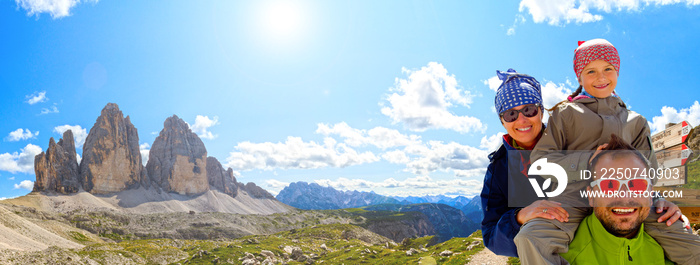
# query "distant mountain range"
(456, 202)
(311, 196)
(447, 221)
(449, 217)
(470, 207)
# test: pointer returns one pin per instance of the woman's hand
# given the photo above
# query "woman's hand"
(673, 213)
(542, 209)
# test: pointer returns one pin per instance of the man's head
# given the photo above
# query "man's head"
(620, 171)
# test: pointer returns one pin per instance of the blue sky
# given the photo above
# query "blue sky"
(390, 96)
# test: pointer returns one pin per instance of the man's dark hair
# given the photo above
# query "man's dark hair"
(617, 147)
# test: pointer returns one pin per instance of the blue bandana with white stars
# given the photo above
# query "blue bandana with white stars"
(516, 89)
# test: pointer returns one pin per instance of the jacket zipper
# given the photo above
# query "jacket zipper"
(628, 253)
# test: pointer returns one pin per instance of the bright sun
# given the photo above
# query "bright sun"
(282, 20)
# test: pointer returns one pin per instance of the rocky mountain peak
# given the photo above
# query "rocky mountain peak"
(174, 122)
(177, 161)
(110, 107)
(57, 168)
(256, 191)
(67, 142)
(111, 156)
(111, 163)
(220, 179)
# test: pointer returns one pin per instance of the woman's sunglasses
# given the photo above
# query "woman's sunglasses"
(530, 110)
(613, 185)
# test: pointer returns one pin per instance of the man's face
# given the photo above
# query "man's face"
(621, 216)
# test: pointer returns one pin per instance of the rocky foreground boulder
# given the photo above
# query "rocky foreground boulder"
(111, 156)
(57, 168)
(177, 161)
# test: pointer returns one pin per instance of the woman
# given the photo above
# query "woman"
(519, 106)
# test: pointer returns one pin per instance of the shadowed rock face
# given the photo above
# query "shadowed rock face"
(57, 168)
(177, 161)
(111, 157)
(255, 191)
(219, 179)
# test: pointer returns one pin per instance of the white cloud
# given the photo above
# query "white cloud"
(491, 143)
(354, 184)
(396, 157)
(671, 115)
(470, 173)
(78, 158)
(6, 198)
(57, 8)
(145, 149)
(552, 94)
(201, 126)
(79, 134)
(422, 101)
(519, 20)
(417, 186)
(25, 184)
(37, 97)
(559, 12)
(379, 136)
(295, 153)
(493, 83)
(20, 162)
(556, 12)
(52, 109)
(274, 186)
(11, 178)
(439, 156)
(21, 134)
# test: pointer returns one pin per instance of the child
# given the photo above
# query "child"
(578, 126)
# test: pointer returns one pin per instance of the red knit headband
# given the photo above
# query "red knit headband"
(595, 49)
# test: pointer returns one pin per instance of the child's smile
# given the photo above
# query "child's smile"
(599, 79)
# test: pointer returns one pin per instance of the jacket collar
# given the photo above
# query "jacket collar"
(510, 143)
(609, 242)
(507, 146)
(604, 106)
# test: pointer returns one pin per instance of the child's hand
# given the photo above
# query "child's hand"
(542, 209)
(597, 151)
(673, 213)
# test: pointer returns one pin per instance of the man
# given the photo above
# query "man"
(614, 233)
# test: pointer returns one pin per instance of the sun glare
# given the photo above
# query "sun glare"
(282, 20)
